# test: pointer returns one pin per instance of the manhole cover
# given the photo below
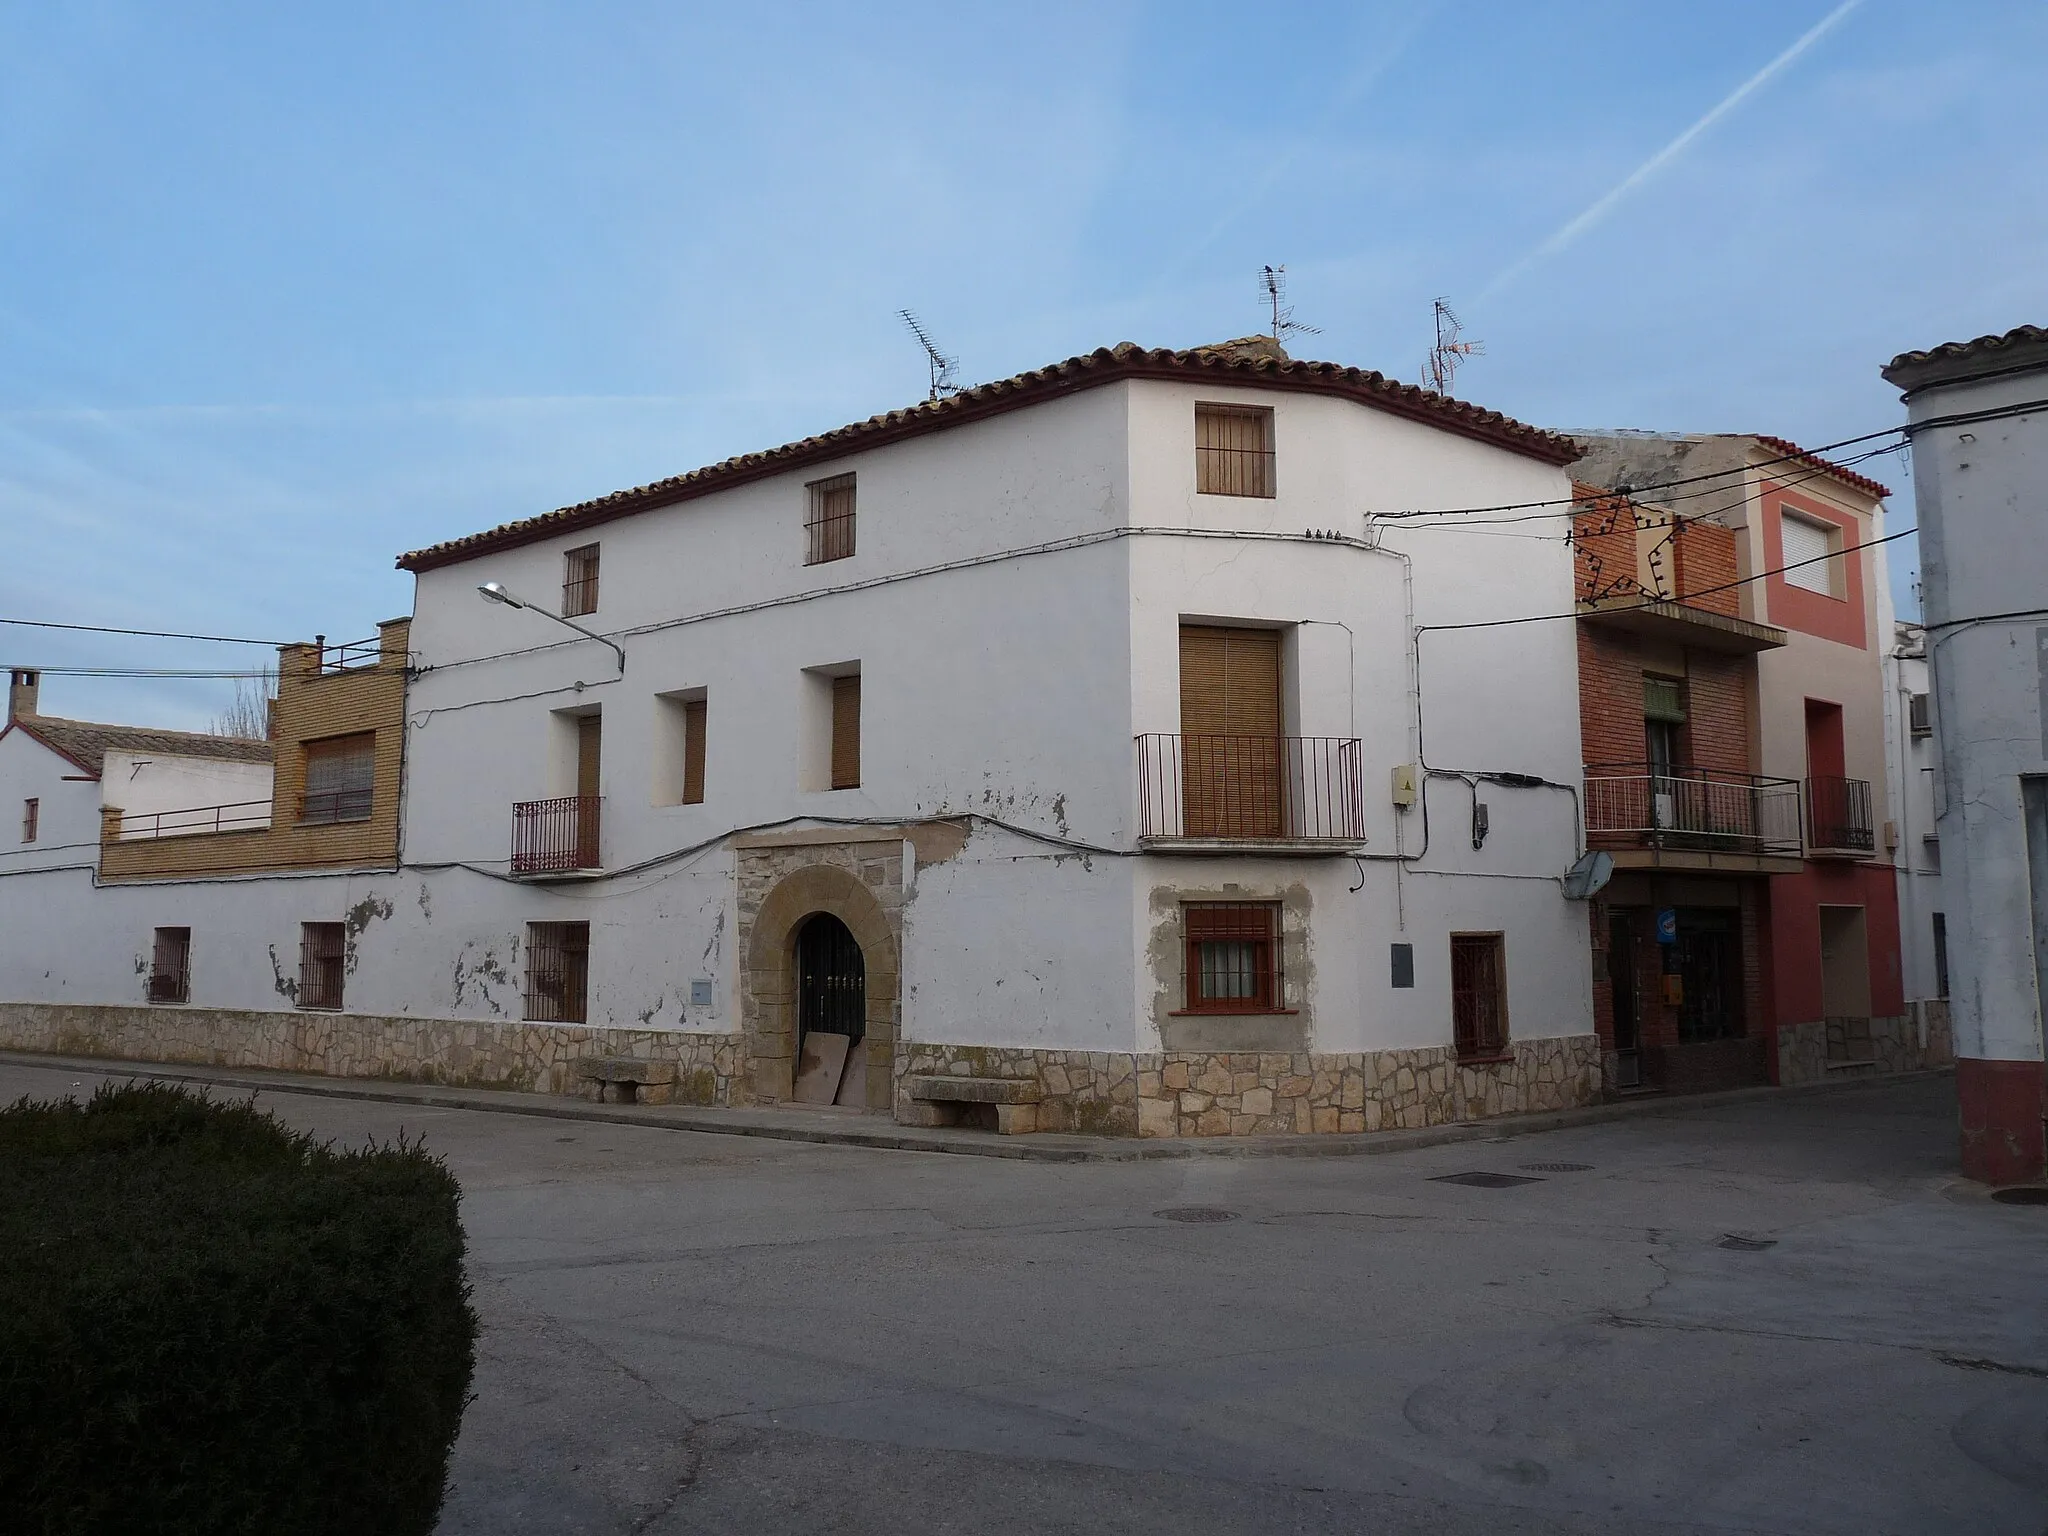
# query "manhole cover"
(1737, 1243)
(1485, 1180)
(1557, 1167)
(2031, 1194)
(1195, 1213)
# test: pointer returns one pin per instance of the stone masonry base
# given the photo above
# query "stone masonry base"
(1912, 1042)
(469, 1053)
(1242, 1093)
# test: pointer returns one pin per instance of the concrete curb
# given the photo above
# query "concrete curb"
(825, 1127)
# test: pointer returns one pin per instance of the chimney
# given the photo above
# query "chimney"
(22, 688)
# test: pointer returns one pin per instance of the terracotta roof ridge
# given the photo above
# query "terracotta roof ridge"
(2017, 336)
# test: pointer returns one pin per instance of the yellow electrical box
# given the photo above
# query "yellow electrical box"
(1674, 991)
(1404, 786)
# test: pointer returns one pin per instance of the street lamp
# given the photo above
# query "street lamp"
(494, 591)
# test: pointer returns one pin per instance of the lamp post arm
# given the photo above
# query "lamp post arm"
(616, 649)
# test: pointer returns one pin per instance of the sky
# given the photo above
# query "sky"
(287, 290)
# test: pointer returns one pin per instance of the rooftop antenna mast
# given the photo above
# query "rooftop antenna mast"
(942, 366)
(1273, 283)
(1449, 350)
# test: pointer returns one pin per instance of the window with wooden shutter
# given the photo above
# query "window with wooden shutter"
(1233, 450)
(846, 732)
(1479, 996)
(170, 966)
(323, 948)
(1231, 757)
(693, 752)
(579, 581)
(1233, 956)
(1918, 720)
(341, 776)
(828, 520)
(31, 819)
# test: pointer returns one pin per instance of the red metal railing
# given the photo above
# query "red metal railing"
(1250, 788)
(554, 836)
(238, 816)
(1635, 805)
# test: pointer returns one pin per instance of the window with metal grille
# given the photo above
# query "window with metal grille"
(1941, 954)
(1233, 450)
(579, 581)
(846, 732)
(341, 776)
(1807, 545)
(31, 819)
(557, 972)
(323, 948)
(1479, 996)
(1917, 719)
(828, 521)
(1233, 956)
(170, 966)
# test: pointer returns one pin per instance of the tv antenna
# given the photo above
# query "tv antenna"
(942, 366)
(1273, 283)
(1449, 350)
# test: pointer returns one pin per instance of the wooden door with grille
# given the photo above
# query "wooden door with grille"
(1232, 779)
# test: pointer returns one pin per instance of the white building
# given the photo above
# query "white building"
(1080, 751)
(1980, 468)
(1914, 767)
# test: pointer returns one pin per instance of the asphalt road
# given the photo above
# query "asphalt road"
(1782, 1316)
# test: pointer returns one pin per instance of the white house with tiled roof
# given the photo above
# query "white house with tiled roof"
(1088, 750)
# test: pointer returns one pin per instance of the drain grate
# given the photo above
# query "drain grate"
(1195, 1213)
(1485, 1180)
(1556, 1167)
(2030, 1194)
(1735, 1242)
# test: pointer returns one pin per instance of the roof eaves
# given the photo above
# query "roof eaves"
(1791, 450)
(1126, 360)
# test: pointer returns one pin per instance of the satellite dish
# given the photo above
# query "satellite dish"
(1589, 876)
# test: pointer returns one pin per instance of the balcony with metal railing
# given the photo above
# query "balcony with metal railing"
(1650, 816)
(556, 837)
(191, 821)
(1838, 817)
(1251, 793)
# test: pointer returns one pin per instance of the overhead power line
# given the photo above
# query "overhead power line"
(150, 634)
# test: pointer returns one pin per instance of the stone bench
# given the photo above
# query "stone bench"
(1006, 1105)
(625, 1080)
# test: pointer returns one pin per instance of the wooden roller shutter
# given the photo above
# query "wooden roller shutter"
(1232, 784)
(589, 763)
(846, 732)
(693, 753)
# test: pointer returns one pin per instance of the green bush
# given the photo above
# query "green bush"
(210, 1324)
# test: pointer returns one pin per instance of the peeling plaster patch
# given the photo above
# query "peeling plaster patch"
(1059, 811)
(141, 965)
(1166, 948)
(287, 987)
(426, 907)
(479, 974)
(716, 942)
(359, 917)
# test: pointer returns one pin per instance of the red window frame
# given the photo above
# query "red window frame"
(1252, 923)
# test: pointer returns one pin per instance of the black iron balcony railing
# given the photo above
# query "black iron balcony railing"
(240, 816)
(555, 836)
(1250, 788)
(1638, 805)
(1838, 814)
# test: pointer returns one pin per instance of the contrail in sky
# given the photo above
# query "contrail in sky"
(1671, 151)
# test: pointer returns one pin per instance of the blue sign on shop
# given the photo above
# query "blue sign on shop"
(1667, 925)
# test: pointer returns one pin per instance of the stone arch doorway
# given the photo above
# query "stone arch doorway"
(779, 942)
(831, 1008)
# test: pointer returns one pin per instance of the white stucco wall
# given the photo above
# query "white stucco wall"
(144, 784)
(1914, 765)
(1979, 488)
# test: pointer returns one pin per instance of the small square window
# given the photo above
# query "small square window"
(1810, 547)
(1479, 996)
(579, 581)
(323, 948)
(1233, 450)
(828, 523)
(1233, 956)
(170, 966)
(558, 972)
